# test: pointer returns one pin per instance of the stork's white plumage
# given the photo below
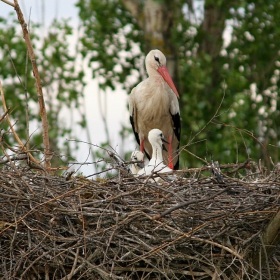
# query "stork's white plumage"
(156, 138)
(137, 159)
(154, 103)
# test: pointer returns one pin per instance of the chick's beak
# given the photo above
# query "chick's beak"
(140, 164)
(163, 146)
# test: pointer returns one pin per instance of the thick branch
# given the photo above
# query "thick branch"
(155, 18)
(32, 57)
(270, 239)
(133, 8)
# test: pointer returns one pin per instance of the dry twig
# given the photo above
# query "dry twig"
(22, 146)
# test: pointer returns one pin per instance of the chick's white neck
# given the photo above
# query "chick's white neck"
(157, 151)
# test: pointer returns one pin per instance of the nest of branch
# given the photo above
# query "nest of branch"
(191, 226)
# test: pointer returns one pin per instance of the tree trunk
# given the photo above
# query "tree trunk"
(270, 239)
(156, 20)
(211, 39)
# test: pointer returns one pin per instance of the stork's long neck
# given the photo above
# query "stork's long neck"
(157, 152)
(151, 71)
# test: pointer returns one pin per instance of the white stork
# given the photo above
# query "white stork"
(137, 159)
(156, 164)
(154, 104)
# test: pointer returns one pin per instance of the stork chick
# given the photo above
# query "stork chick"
(156, 164)
(137, 158)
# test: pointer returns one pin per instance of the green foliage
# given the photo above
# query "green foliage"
(248, 62)
(254, 55)
(111, 34)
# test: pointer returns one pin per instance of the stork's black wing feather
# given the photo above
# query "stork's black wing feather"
(136, 134)
(177, 131)
(133, 128)
(177, 125)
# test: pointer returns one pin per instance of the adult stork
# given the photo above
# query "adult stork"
(153, 103)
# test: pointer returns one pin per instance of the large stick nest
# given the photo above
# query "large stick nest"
(192, 226)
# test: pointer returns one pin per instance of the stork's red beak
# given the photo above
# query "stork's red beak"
(166, 76)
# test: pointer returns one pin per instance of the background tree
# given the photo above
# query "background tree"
(117, 34)
(244, 68)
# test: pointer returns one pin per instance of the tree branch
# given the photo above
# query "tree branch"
(32, 57)
(6, 113)
(8, 2)
(133, 8)
(22, 146)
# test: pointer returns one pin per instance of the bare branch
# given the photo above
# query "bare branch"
(8, 2)
(6, 113)
(32, 57)
(12, 128)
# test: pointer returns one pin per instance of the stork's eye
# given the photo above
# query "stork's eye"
(156, 59)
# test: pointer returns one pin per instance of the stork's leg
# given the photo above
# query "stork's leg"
(142, 145)
(170, 161)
